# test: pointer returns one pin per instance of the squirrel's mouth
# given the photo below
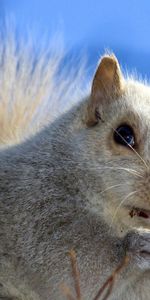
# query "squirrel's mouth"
(139, 212)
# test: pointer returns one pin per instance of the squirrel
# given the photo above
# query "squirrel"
(81, 183)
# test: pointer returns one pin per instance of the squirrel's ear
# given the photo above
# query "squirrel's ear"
(106, 86)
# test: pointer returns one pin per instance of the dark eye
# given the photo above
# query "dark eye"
(124, 135)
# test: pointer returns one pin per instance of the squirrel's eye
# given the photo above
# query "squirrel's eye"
(124, 135)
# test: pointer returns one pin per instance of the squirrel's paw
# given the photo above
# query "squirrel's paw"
(137, 244)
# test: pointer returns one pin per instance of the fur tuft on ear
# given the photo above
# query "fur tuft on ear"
(107, 85)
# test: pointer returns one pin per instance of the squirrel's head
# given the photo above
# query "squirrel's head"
(117, 147)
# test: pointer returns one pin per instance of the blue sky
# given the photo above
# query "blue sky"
(90, 26)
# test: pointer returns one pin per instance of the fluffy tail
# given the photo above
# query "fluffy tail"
(34, 88)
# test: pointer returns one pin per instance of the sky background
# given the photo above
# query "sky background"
(89, 26)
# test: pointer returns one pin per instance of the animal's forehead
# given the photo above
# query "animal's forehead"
(133, 107)
(135, 101)
(137, 95)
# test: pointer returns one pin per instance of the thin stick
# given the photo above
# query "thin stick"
(109, 291)
(75, 273)
(111, 279)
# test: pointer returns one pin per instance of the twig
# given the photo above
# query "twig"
(110, 281)
(109, 291)
(75, 274)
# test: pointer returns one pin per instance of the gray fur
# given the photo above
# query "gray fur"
(51, 201)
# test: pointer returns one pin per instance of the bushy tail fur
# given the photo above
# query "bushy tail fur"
(34, 86)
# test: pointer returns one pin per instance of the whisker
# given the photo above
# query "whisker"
(120, 204)
(135, 200)
(131, 171)
(143, 161)
(111, 187)
(102, 167)
(131, 147)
